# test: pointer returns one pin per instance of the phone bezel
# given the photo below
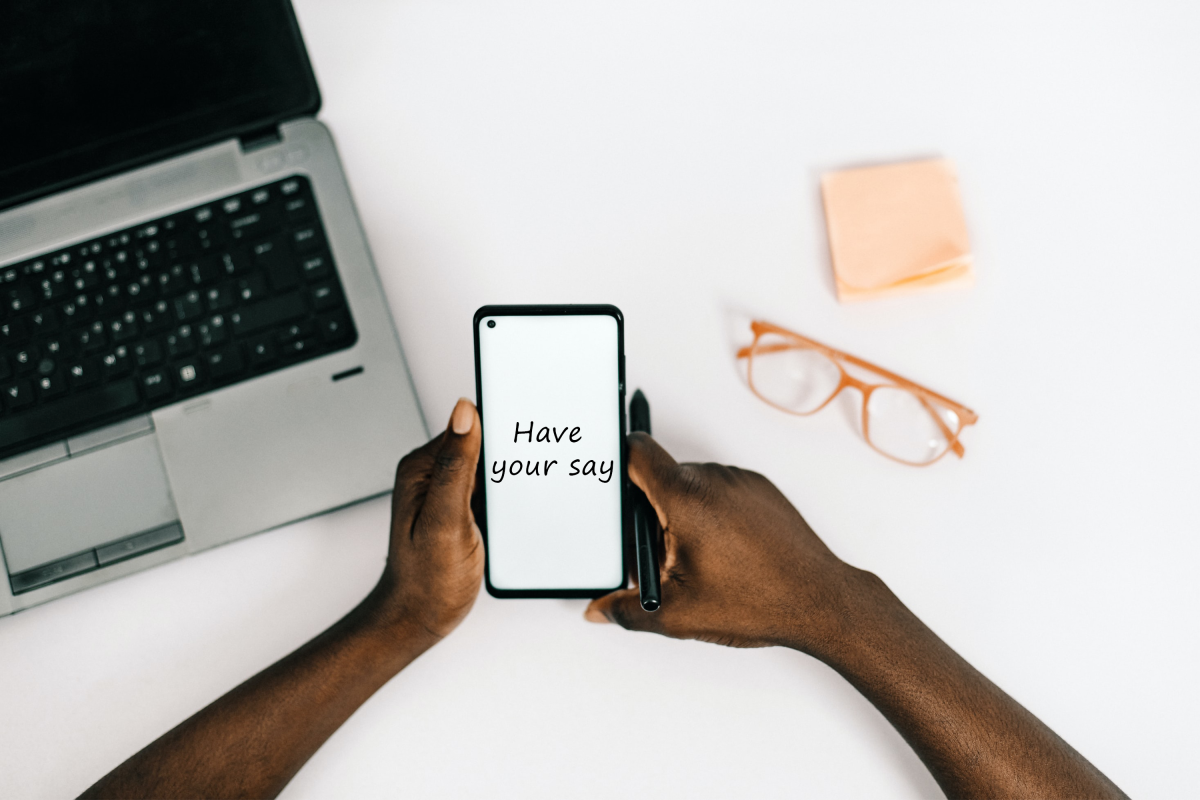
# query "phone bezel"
(481, 476)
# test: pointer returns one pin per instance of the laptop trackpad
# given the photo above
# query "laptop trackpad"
(84, 502)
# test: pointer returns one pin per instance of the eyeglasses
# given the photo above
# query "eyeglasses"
(900, 419)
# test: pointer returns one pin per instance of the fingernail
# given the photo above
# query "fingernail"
(463, 418)
(594, 615)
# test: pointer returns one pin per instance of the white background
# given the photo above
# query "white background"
(560, 528)
(664, 157)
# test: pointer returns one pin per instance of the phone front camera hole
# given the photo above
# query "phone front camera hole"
(491, 323)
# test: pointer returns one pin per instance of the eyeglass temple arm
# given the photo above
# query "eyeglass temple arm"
(967, 416)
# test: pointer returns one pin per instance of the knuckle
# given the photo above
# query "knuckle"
(619, 613)
(415, 462)
(450, 467)
(695, 482)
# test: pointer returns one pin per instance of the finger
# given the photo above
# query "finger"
(654, 472)
(412, 482)
(452, 474)
(624, 607)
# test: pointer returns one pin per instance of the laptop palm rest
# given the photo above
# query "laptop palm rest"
(86, 511)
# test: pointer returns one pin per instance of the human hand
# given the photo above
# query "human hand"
(435, 558)
(740, 566)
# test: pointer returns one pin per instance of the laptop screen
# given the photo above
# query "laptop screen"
(92, 87)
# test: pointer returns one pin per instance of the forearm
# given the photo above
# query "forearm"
(251, 741)
(975, 739)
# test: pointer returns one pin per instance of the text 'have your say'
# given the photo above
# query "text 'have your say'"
(601, 470)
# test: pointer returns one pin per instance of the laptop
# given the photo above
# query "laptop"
(194, 344)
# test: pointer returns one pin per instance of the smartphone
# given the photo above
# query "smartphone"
(550, 387)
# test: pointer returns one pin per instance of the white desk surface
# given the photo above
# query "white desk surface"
(664, 156)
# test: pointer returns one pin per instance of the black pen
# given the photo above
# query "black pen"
(645, 521)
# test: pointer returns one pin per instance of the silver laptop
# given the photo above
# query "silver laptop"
(194, 344)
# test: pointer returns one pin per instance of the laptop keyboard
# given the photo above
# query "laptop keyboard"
(116, 326)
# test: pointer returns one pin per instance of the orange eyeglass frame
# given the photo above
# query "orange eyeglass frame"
(928, 397)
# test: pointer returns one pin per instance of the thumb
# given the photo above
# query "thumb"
(624, 607)
(655, 472)
(452, 478)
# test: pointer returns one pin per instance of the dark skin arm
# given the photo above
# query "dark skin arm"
(741, 567)
(251, 742)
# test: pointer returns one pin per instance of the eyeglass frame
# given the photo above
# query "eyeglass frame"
(928, 397)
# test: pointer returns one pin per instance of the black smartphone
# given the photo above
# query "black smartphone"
(550, 386)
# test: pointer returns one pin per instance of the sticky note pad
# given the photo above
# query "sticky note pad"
(895, 228)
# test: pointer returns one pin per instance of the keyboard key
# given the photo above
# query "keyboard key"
(25, 359)
(324, 295)
(268, 313)
(86, 372)
(89, 339)
(43, 322)
(156, 318)
(17, 395)
(234, 262)
(188, 376)
(307, 238)
(156, 384)
(73, 311)
(262, 350)
(316, 266)
(12, 332)
(54, 285)
(51, 385)
(298, 348)
(85, 276)
(5, 370)
(209, 236)
(123, 328)
(298, 208)
(219, 298)
(135, 292)
(147, 353)
(206, 270)
(172, 281)
(181, 341)
(297, 330)
(66, 412)
(118, 363)
(224, 363)
(20, 299)
(213, 331)
(188, 306)
(253, 224)
(251, 288)
(272, 256)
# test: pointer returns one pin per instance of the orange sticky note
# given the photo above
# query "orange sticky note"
(895, 228)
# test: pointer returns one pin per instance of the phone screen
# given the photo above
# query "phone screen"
(551, 397)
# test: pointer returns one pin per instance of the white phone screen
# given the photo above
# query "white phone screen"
(549, 387)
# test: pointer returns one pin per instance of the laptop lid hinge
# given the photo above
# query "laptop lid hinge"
(262, 137)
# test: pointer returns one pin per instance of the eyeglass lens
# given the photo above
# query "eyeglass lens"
(901, 425)
(796, 379)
